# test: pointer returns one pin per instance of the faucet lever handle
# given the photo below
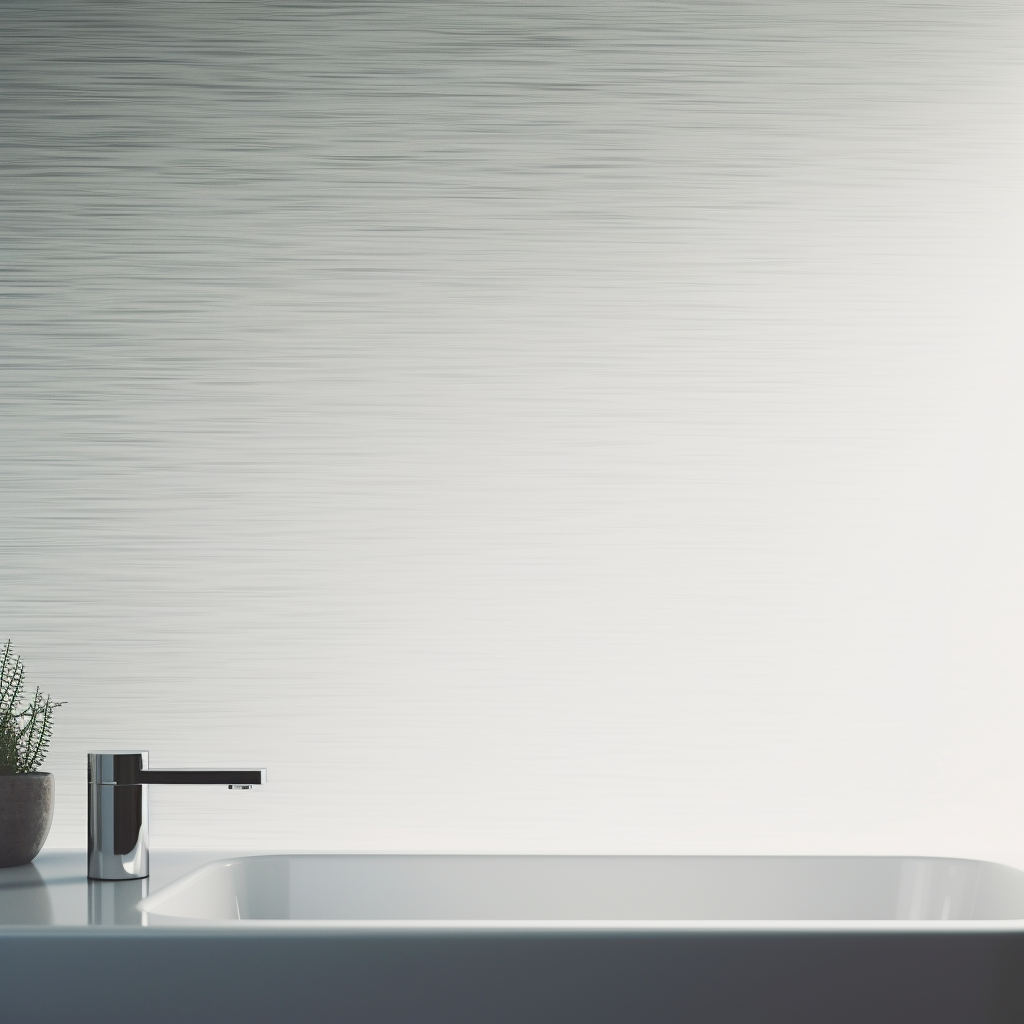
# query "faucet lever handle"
(117, 767)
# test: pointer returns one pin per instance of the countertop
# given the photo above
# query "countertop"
(54, 891)
(75, 950)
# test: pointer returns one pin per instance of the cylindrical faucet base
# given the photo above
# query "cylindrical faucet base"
(118, 832)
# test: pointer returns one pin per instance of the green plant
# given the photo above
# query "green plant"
(25, 731)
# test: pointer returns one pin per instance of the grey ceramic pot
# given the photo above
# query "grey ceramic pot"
(26, 810)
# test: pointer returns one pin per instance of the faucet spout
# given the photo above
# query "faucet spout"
(253, 777)
(119, 782)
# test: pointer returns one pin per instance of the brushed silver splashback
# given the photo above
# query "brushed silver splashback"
(521, 426)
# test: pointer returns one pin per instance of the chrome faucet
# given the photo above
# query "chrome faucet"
(119, 782)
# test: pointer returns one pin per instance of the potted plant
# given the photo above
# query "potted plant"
(26, 795)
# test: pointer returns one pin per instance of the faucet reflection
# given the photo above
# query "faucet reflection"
(117, 904)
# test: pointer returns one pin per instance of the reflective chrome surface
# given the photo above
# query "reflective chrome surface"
(116, 767)
(118, 831)
(119, 782)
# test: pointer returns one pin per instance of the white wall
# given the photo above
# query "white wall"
(523, 427)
